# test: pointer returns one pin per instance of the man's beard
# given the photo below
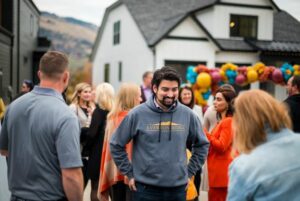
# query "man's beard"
(167, 103)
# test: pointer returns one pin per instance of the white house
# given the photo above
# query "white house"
(138, 35)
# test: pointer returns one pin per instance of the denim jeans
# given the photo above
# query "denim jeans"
(154, 193)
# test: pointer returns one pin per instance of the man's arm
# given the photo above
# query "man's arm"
(4, 137)
(72, 180)
(118, 141)
(200, 146)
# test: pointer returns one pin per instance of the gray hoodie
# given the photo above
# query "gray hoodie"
(159, 144)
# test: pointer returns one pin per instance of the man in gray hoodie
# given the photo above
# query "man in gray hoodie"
(159, 129)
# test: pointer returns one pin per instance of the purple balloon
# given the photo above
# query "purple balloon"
(277, 76)
(240, 79)
(216, 77)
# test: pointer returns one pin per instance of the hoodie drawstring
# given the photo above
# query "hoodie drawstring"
(170, 127)
(159, 127)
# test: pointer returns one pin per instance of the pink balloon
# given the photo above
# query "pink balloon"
(216, 77)
(240, 79)
(277, 76)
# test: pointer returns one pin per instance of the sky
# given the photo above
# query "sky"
(93, 10)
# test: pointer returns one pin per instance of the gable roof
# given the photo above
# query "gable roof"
(155, 18)
(286, 27)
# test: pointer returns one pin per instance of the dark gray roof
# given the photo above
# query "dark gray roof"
(155, 18)
(276, 46)
(234, 45)
(286, 27)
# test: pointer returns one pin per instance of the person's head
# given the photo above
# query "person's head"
(147, 78)
(105, 96)
(82, 93)
(223, 102)
(186, 96)
(53, 67)
(27, 86)
(165, 86)
(128, 96)
(256, 111)
(293, 85)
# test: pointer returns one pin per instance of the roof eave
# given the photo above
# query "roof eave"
(101, 28)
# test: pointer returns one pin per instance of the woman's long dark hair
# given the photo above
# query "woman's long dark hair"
(229, 95)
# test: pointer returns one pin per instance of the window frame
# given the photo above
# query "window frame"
(106, 72)
(254, 17)
(117, 32)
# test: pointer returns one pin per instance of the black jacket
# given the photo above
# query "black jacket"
(293, 103)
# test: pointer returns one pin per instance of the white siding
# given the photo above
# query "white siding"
(207, 19)
(188, 28)
(186, 50)
(237, 57)
(217, 20)
(252, 2)
(183, 50)
(133, 52)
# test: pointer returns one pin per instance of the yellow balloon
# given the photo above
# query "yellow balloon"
(252, 75)
(204, 80)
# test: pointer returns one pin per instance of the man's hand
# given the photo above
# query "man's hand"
(131, 184)
(187, 185)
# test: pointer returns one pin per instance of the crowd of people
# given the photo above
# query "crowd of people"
(150, 142)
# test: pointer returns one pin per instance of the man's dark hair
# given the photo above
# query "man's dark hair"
(53, 64)
(29, 84)
(296, 81)
(165, 73)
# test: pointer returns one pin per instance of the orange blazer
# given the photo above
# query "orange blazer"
(219, 155)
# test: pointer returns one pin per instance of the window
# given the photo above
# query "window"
(106, 73)
(117, 27)
(120, 71)
(243, 26)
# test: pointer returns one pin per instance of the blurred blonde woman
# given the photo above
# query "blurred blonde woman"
(81, 103)
(268, 167)
(82, 107)
(112, 182)
(104, 97)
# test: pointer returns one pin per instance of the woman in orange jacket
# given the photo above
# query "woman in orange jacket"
(220, 138)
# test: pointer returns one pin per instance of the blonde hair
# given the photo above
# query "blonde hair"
(105, 96)
(78, 89)
(256, 111)
(126, 99)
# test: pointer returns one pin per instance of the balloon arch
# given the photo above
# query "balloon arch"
(206, 80)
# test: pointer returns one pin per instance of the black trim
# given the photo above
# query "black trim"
(206, 31)
(248, 16)
(166, 34)
(170, 62)
(187, 38)
(101, 28)
(245, 5)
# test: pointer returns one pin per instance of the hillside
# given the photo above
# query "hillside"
(70, 35)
